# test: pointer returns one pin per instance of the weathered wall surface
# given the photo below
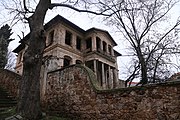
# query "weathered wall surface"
(10, 80)
(72, 92)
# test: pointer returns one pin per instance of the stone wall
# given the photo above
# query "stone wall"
(73, 92)
(10, 80)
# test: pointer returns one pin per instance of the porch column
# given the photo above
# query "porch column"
(111, 77)
(109, 82)
(103, 77)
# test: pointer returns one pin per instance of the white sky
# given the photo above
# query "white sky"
(85, 21)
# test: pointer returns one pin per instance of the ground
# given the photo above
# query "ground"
(7, 112)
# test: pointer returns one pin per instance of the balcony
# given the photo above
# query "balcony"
(101, 53)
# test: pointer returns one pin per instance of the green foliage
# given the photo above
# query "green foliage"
(5, 33)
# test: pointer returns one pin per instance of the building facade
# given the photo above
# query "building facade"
(68, 44)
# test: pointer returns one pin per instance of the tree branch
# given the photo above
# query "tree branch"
(78, 10)
(25, 7)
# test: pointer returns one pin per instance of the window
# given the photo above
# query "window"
(50, 38)
(67, 61)
(88, 43)
(98, 43)
(78, 43)
(104, 46)
(110, 49)
(78, 62)
(68, 38)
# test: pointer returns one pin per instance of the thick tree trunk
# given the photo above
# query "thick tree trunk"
(29, 102)
(29, 98)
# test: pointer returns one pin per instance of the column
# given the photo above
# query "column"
(109, 81)
(103, 77)
(95, 67)
(93, 43)
(111, 77)
(73, 41)
(101, 46)
(73, 61)
(106, 48)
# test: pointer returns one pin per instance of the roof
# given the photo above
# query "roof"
(175, 76)
(106, 32)
(58, 19)
(52, 22)
(116, 53)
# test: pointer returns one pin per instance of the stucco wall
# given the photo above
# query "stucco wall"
(73, 92)
(10, 81)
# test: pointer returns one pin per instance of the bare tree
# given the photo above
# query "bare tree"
(161, 61)
(34, 15)
(141, 22)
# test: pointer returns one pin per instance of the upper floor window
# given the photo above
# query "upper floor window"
(68, 38)
(104, 46)
(98, 43)
(78, 43)
(78, 62)
(50, 38)
(110, 49)
(89, 43)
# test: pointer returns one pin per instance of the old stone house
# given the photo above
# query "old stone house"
(68, 44)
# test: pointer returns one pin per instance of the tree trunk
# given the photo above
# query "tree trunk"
(144, 79)
(29, 98)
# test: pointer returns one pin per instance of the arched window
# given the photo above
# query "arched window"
(78, 62)
(67, 61)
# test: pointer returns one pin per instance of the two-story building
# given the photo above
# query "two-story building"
(67, 44)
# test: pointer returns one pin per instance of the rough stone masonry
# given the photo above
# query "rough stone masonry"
(73, 92)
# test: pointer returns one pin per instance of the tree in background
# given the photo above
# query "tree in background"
(5, 33)
(141, 23)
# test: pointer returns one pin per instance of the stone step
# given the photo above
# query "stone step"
(6, 100)
(7, 103)
(6, 111)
